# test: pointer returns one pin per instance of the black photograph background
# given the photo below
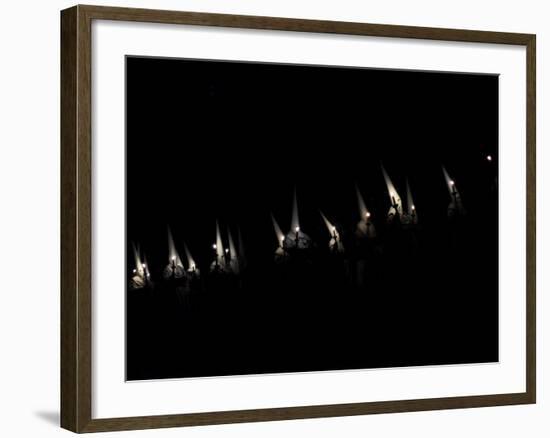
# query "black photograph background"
(233, 142)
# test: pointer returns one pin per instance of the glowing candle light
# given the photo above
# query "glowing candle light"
(452, 182)
(413, 208)
(227, 257)
(489, 158)
(215, 248)
(368, 214)
(297, 229)
(134, 271)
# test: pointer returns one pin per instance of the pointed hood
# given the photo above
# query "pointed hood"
(392, 192)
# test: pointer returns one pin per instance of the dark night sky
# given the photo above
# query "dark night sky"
(226, 140)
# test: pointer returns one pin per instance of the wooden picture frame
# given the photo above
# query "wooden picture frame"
(76, 218)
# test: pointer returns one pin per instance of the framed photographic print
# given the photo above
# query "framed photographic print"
(269, 218)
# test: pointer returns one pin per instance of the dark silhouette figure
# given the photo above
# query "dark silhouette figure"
(173, 267)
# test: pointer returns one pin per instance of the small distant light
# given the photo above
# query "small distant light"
(333, 229)
(282, 238)
(144, 266)
(226, 250)
(214, 246)
(413, 208)
(148, 275)
(193, 267)
(134, 271)
(173, 258)
(368, 214)
(452, 182)
(489, 158)
(297, 229)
